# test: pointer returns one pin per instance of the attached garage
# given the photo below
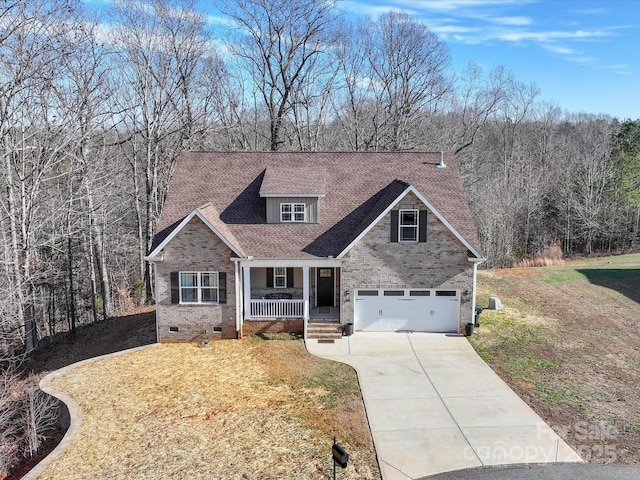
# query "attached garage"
(419, 310)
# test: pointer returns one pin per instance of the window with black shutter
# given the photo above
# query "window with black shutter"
(279, 277)
(198, 287)
(408, 225)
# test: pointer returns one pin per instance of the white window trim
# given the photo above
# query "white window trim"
(293, 212)
(277, 275)
(199, 288)
(415, 227)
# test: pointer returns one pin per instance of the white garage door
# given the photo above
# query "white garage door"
(391, 310)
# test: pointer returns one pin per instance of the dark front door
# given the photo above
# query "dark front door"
(325, 287)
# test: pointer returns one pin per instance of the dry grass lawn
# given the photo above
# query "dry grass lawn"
(254, 409)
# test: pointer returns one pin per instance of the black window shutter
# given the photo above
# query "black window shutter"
(422, 226)
(175, 287)
(290, 277)
(222, 287)
(269, 277)
(394, 225)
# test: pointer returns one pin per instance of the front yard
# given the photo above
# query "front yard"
(232, 409)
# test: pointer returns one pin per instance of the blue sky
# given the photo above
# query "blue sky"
(584, 55)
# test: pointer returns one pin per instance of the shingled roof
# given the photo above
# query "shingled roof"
(357, 188)
(283, 181)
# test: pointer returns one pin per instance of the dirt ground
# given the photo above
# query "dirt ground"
(567, 342)
(133, 329)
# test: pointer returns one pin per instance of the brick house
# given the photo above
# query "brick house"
(270, 241)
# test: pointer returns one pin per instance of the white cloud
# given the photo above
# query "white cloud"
(452, 29)
(521, 21)
(457, 5)
(369, 10)
(549, 36)
(619, 69)
(570, 54)
(560, 49)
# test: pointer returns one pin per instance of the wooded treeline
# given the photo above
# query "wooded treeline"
(94, 112)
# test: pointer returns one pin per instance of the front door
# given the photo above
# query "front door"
(325, 286)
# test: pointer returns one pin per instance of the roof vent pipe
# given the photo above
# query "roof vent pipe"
(441, 164)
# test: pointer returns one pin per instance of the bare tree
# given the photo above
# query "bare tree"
(280, 43)
(39, 416)
(32, 138)
(589, 179)
(408, 72)
(356, 111)
(9, 412)
(163, 46)
(83, 99)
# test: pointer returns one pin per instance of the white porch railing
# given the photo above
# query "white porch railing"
(277, 308)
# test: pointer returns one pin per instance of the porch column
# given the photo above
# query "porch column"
(305, 291)
(246, 288)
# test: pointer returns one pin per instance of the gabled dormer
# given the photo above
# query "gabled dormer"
(293, 195)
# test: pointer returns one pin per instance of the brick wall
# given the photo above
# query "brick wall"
(278, 325)
(195, 248)
(441, 262)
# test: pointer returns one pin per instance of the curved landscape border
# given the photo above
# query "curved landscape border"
(72, 416)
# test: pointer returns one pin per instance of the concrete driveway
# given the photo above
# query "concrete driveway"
(434, 405)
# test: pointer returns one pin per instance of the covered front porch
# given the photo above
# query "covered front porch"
(288, 289)
(289, 308)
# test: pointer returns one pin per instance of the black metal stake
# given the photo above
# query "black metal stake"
(334, 461)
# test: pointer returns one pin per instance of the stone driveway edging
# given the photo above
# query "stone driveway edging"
(75, 416)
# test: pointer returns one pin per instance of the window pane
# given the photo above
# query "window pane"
(209, 295)
(299, 208)
(420, 293)
(408, 217)
(285, 212)
(279, 270)
(367, 293)
(408, 234)
(394, 293)
(188, 279)
(209, 279)
(280, 281)
(445, 293)
(189, 295)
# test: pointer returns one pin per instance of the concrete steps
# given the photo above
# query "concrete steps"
(321, 329)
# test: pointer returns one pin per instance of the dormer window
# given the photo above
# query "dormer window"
(293, 212)
(293, 194)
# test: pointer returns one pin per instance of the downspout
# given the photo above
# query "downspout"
(476, 262)
(473, 296)
(238, 301)
(305, 296)
(155, 274)
(157, 258)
